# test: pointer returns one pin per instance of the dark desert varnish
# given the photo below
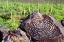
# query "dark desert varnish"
(41, 28)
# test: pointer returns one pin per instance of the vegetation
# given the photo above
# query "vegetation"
(11, 13)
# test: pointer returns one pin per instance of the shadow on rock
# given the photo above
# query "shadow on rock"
(1, 36)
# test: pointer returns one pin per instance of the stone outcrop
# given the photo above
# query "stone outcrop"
(35, 27)
(12, 36)
(16, 36)
(42, 28)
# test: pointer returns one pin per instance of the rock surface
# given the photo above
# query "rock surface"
(16, 36)
(12, 36)
(34, 28)
(41, 28)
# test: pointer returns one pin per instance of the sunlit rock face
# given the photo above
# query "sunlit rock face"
(62, 23)
(16, 36)
(12, 36)
(40, 27)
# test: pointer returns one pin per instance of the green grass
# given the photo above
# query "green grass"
(11, 13)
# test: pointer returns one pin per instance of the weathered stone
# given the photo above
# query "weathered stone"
(3, 32)
(16, 36)
(41, 28)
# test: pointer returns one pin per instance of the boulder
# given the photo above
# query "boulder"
(16, 36)
(42, 28)
(12, 36)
